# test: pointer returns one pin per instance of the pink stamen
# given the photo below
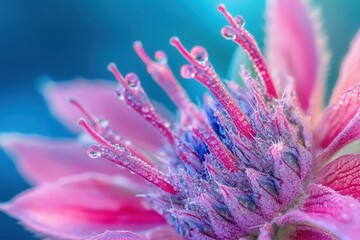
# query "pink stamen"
(175, 41)
(112, 68)
(87, 114)
(108, 133)
(242, 37)
(141, 53)
(135, 164)
(217, 148)
(207, 76)
(164, 77)
(137, 99)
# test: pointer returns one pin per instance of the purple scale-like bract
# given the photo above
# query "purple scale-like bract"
(253, 163)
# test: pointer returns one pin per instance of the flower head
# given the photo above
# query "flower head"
(254, 163)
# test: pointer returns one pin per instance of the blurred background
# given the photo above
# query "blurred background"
(65, 39)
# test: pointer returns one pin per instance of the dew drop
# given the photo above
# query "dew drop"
(104, 123)
(160, 57)
(239, 20)
(188, 71)
(228, 33)
(167, 124)
(145, 108)
(94, 151)
(133, 81)
(199, 53)
(120, 92)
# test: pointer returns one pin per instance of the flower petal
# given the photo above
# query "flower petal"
(349, 134)
(342, 175)
(81, 206)
(160, 233)
(99, 98)
(165, 232)
(337, 116)
(42, 159)
(295, 45)
(117, 235)
(349, 71)
(325, 212)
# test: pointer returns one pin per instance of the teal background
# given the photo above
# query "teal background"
(64, 39)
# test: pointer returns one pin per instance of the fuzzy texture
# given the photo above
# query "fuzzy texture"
(254, 163)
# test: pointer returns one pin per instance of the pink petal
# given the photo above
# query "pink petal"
(342, 175)
(350, 133)
(81, 206)
(117, 235)
(325, 212)
(99, 98)
(350, 71)
(165, 232)
(295, 45)
(337, 116)
(42, 159)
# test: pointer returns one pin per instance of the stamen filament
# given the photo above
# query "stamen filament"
(242, 37)
(207, 76)
(134, 163)
(164, 77)
(108, 133)
(137, 99)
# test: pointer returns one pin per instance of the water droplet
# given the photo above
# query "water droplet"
(120, 92)
(145, 108)
(228, 33)
(94, 151)
(239, 20)
(167, 124)
(104, 123)
(199, 53)
(160, 57)
(133, 81)
(188, 71)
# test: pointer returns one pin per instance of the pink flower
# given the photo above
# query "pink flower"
(262, 163)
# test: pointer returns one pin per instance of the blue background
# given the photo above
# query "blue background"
(64, 39)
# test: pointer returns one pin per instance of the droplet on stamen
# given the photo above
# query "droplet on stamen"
(120, 92)
(160, 57)
(239, 20)
(94, 151)
(133, 81)
(199, 53)
(228, 33)
(188, 71)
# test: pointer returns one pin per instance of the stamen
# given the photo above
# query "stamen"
(136, 98)
(87, 114)
(121, 156)
(202, 71)
(217, 148)
(164, 77)
(237, 33)
(106, 132)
